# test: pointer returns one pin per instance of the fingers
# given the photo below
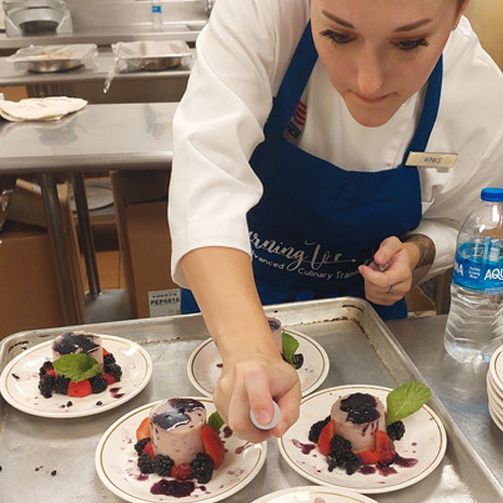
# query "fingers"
(253, 386)
(389, 278)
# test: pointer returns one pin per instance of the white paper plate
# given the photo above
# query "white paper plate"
(116, 464)
(425, 440)
(19, 381)
(314, 494)
(205, 365)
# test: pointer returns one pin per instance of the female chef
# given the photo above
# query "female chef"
(338, 144)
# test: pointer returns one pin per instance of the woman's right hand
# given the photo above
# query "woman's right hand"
(251, 382)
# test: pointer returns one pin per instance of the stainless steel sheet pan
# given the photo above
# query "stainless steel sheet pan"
(52, 460)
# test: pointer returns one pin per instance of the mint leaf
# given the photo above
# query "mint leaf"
(215, 421)
(290, 345)
(405, 400)
(77, 366)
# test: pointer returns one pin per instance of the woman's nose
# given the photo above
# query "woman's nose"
(370, 73)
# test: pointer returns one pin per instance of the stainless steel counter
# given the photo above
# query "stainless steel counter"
(94, 71)
(106, 35)
(98, 138)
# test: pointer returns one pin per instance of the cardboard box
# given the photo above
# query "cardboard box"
(145, 244)
(30, 297)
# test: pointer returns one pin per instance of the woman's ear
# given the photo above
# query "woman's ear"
(461, 10)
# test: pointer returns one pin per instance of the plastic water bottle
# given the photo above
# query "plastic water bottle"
(157, 15)
(475, 321)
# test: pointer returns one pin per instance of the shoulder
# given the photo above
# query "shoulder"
(470, 74)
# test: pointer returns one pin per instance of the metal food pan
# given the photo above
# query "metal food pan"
(361, 348)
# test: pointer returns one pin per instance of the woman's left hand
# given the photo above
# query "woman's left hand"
(389, 277)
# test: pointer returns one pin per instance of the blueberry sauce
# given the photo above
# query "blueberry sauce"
(304, 448)
(115, 393)
(273, 325)
(175, 488)
(176, 413)
(227, 432)
(361, 408)
(70, 343)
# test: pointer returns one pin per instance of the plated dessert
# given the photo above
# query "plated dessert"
(23, 387)
(359, 433)
(80, 366)
(184, 453)
(305, 354)
(176, 441)
(344, 438)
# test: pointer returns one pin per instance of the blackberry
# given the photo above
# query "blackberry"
(341, 456)
(44, 368)
(314, 432)
(163, 465)
(46, 385)
(108, 360)
(145, 463)
(396, 430)
(202, 468)
(140, 445)
(61, 384)
(98, 383)
(115, 371)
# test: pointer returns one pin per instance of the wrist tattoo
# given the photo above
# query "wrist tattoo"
(425, 246)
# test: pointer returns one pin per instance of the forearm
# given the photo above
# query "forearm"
(421, 250)
(222, 282)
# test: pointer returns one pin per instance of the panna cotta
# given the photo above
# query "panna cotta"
(78, 342)
(176, 426)
(357, 417)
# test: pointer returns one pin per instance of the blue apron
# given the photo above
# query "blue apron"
(316, 223)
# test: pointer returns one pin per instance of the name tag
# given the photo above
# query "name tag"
(431, 160)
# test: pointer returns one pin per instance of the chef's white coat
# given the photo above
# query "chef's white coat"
(242, 55)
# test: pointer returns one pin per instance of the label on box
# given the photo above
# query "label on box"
(164, 302)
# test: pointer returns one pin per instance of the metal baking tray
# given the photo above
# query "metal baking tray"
(361, 348)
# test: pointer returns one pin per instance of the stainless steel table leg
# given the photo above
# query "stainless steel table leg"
(55, 224)
(87, 240)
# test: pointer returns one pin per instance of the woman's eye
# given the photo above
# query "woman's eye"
(338, 38)
(410, 45)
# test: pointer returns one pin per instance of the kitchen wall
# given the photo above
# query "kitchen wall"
(486, 17)
(103, 13)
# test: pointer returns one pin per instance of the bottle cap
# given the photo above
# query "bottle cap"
(269, 426)
(492, 194)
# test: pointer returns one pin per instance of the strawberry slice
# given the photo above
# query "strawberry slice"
(213, 445)
(79, 389)
(182, 471)
(143, 431)
(110, 378)
(384, 447)
(368, 457)
(326, 434)
(105, 352)
(149, 449)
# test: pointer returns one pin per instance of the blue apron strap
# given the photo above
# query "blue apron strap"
(430, 112)
(295, 79)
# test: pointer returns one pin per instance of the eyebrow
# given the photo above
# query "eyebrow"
(407, 27)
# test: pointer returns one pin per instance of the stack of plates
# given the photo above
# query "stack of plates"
(495, 387)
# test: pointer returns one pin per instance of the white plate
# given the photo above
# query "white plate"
(496, 369)
(205, 365)
(314, 494)
(116, 464)
(425, 440)
(19, 381)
